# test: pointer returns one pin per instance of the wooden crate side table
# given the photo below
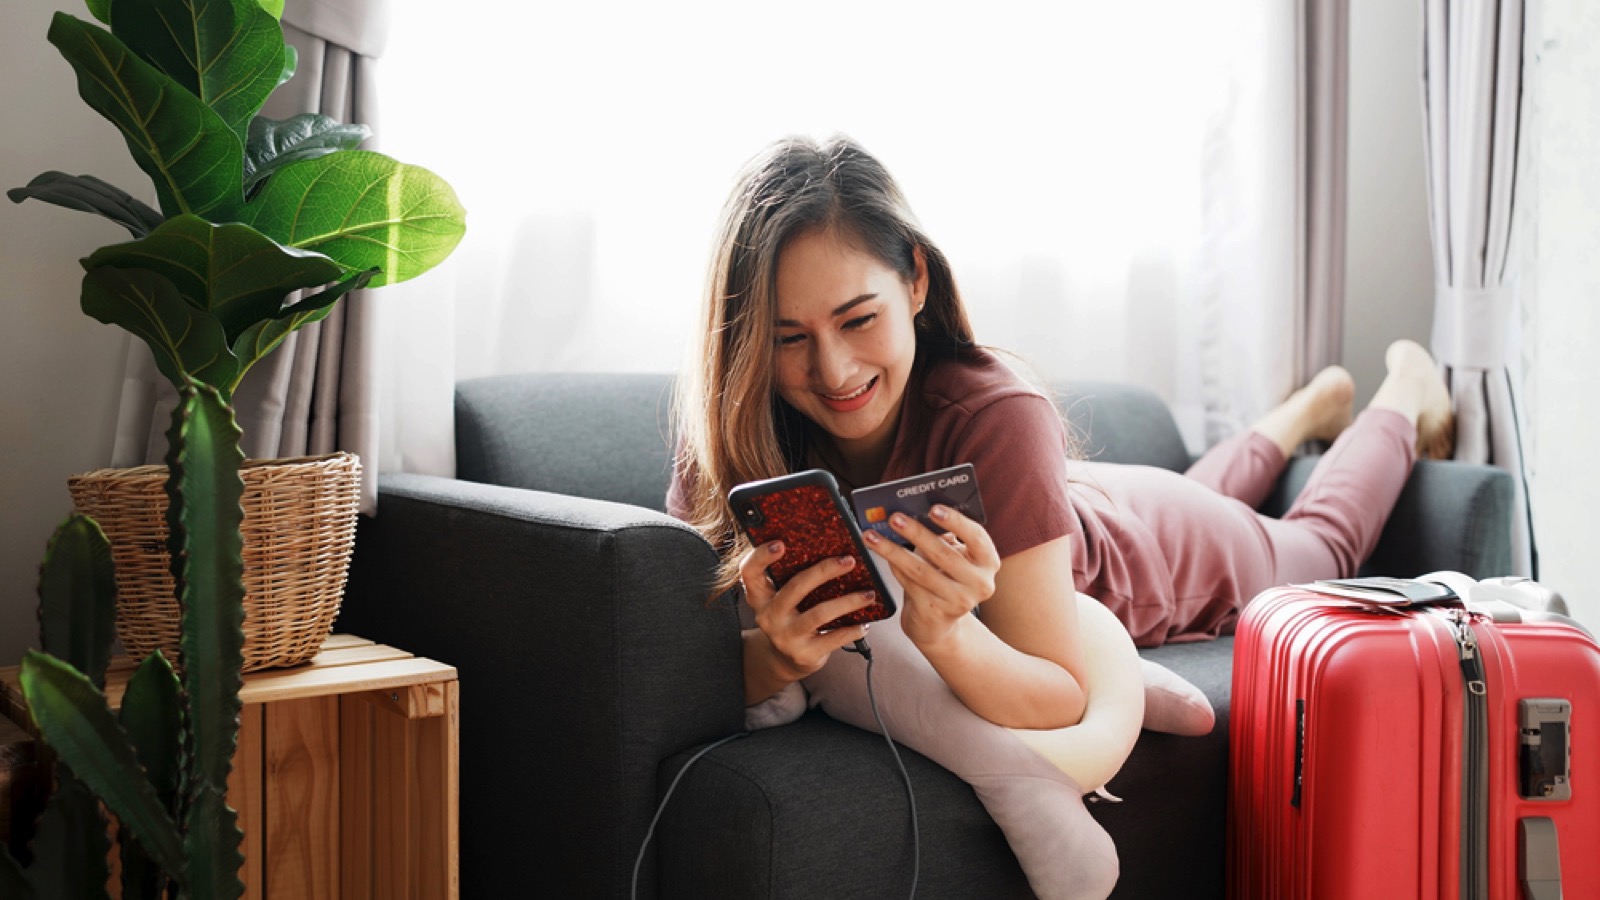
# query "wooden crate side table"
(346, 775)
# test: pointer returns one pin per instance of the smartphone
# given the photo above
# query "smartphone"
(806, 511)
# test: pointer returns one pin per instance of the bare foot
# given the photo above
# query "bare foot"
(1415, 388)
(1318, 411)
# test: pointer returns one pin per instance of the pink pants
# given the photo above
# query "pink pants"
(1335, 522)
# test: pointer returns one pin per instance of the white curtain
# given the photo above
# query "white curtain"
(1472, 78)
(1114, 183)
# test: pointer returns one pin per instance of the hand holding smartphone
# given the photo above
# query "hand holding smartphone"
(807, 513)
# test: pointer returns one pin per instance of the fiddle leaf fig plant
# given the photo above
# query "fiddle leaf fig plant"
(260, 227)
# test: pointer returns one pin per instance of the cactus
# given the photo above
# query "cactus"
(161, 766)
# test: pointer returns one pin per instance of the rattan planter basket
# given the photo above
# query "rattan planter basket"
(299, 528)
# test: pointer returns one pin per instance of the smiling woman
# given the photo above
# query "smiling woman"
(1092, 172)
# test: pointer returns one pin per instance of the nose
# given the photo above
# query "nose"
(832, 363)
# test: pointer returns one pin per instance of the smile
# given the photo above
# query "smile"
(851, 401)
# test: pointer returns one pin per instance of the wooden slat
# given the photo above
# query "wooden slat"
(355, 798)
(364, 653)
(302, 799)
(246, 785)
(340, 641)
(438, 799)
(417, 701)
(292, 684)
(393, 761)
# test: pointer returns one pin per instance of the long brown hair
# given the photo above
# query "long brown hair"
(732, 427)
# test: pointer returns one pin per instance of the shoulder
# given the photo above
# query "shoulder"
(986, 391)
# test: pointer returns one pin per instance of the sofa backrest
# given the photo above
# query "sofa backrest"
(1122, 423)
(605, 436)
(597, 435)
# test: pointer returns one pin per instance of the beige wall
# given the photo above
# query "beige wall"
(58, 368)
(1388, 254)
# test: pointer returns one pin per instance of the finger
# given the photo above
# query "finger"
(758, 589)
(810, 578)
(956, 522)
(931, 547)
(831, 610)
(979, 544)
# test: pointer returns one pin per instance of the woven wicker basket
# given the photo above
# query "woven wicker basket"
(299, 528)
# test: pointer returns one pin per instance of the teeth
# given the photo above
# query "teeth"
(852, 395)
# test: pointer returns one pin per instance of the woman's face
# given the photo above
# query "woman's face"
(845, 339)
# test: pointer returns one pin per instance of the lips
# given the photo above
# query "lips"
(853, 400)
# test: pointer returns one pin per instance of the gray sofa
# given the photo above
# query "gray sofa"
(592, 668)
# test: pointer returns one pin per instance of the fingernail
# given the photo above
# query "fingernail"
(900, 520)
(872, 536)
(846, 562)
(775, 547)
(939, 511)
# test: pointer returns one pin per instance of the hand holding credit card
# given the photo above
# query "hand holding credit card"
(955, 487)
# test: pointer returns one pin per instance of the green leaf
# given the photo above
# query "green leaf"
(274, 144)
(186, 149)
(78, 597)
(186, 342)
(232, 271)
(203, 518)
(291, 61)
(78, 725)
(229, 53)
(90, 194)
(262, 338)
(13, 883)
(100, 9)
(211, 839)
(70, 847)
(273, 8)
(152, 715)
(364, 210)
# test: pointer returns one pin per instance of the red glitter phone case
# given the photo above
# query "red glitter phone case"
(806, 511)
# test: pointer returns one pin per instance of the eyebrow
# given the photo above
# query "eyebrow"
(837, 311)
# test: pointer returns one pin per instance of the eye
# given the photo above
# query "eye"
(790, 340)
(860, 322)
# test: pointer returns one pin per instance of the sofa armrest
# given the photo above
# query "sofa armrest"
(587, 654)
(1450, 516)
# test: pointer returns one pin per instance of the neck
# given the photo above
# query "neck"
(858, 463)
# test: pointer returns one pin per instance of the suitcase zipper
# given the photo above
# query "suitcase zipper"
(1474, 769)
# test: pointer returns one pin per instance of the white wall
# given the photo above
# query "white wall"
(1562, 296)
(58, 368)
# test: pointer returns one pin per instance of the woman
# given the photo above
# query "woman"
(834, 337)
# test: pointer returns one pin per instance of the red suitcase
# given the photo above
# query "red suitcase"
(1416, 751)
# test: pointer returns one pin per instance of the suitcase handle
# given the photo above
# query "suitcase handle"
(1539, 858)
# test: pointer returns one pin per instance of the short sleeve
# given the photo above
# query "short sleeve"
(1018, 447)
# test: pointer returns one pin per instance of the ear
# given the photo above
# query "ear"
(919, 282)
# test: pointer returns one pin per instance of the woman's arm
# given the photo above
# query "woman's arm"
(1018, 666)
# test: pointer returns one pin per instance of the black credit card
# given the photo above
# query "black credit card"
(955, 487)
